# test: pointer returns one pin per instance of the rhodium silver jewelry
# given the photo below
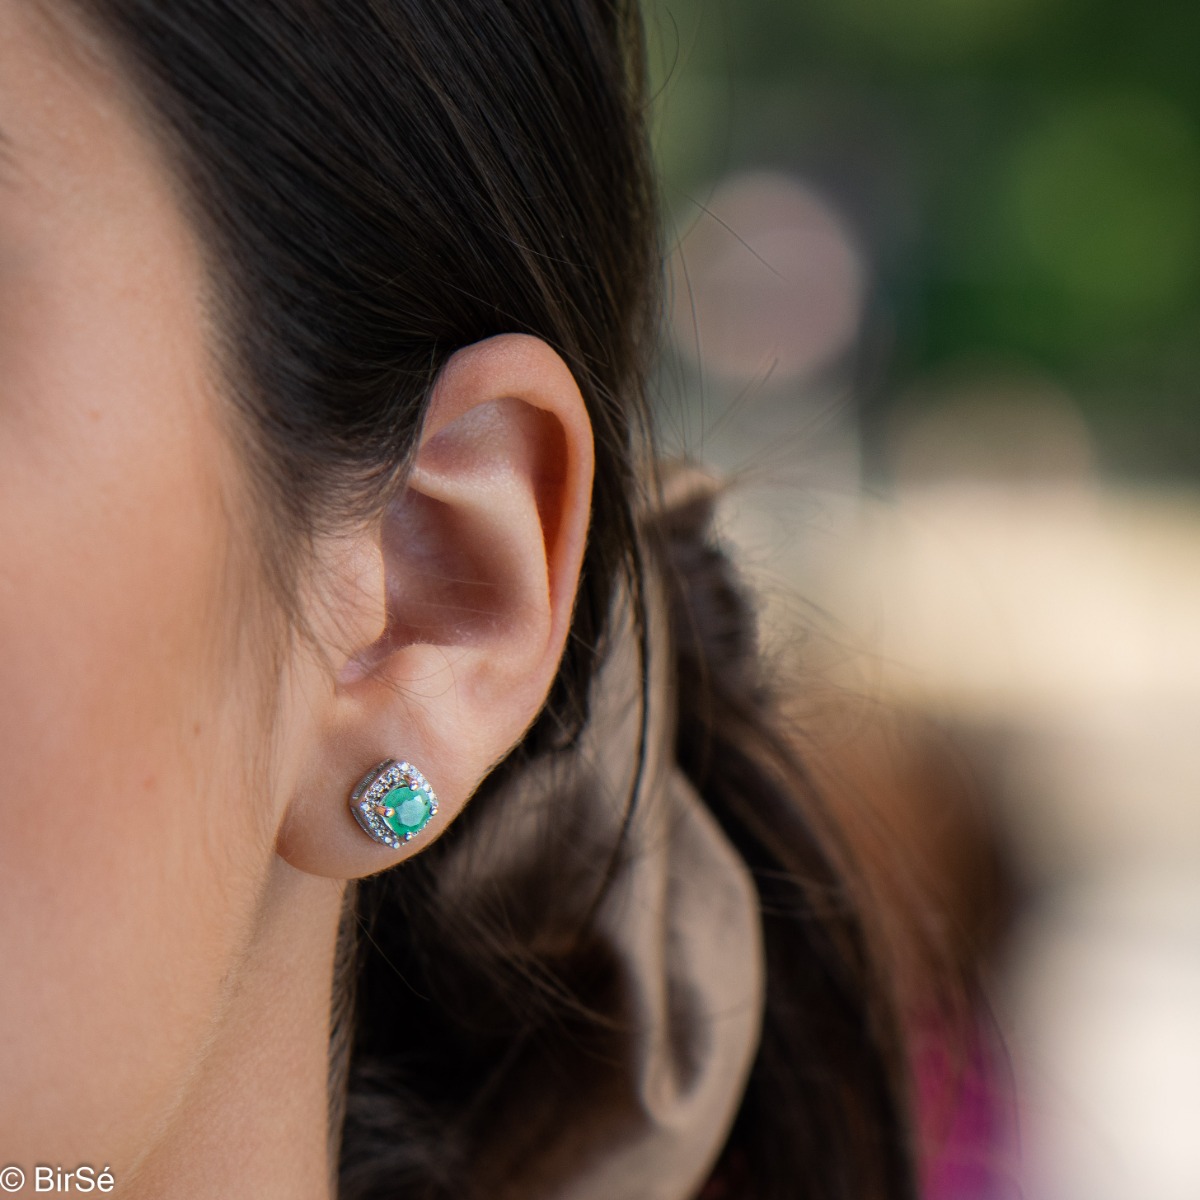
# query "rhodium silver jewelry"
(392, 803)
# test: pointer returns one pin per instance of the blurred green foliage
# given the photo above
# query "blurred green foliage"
(1023, 174)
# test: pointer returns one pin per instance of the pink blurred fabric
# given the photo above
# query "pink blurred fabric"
(965, 1114)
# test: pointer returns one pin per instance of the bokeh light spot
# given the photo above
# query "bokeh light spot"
(768, 280)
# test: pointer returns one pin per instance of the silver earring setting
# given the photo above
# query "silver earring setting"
(392, 803)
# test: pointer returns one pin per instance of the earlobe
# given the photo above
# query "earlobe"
(480, 554)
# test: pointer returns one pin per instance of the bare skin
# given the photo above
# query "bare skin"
(174, 834)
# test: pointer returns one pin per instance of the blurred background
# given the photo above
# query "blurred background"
(935, 307)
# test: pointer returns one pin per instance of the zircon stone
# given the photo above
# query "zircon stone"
(412, 810)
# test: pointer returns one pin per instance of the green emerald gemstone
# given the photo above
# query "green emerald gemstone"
(412, 810)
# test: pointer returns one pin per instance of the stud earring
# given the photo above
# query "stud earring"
(392, 803)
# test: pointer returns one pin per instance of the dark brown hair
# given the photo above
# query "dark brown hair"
(379, 183)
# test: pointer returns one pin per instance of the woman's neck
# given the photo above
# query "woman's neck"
(252, 1118)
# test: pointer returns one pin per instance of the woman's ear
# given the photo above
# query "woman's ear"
(460, 598)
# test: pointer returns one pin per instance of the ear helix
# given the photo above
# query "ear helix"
(393, 803)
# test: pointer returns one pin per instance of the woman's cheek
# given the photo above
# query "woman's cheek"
(123, 876)
(124, 818)
(131, 848)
